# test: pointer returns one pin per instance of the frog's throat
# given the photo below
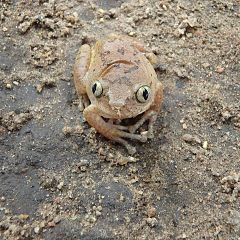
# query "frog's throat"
(113, 64)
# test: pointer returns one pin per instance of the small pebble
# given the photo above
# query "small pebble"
(39, 88)
(42, 224)
(2, 199)
(23, 216)
(184, 236)
(164, 7)
(92, 219)
(101, 11)
(122, 198)
(101, 20)
(219, 69)
(72, 19)
(206, 65)
(9, 86)
(16, 83)
(152, 222)
(99, 208)
(60, 185)
(57, 220)
(65, 31)
(205, 145)
(190, 138)
(98, 213)
(83, 168)
(51, 224)
(37, 230)
(83, 162)
(7, 211)
(151, 212)
(101, 151)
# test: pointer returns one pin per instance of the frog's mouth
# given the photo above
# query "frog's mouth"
(114, 112)
(112, 65)
(124, 121)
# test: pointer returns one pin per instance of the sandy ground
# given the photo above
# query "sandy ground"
(61, 180)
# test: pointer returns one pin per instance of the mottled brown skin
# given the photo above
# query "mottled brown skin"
(122, 65)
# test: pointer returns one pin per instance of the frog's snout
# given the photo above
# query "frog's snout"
(117, 106)
(119, 94)
(116, 102)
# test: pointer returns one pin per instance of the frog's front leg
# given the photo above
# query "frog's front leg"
(80, 69)
(151, 114)
(110, 131)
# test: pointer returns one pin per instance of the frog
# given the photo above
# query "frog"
(115, 80)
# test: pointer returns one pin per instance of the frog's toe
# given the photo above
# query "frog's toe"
(81, 106)
(144, 136)
(150, 135)
(85, 101)
(120, 127)
(152, 58)
(151, 116)
(150, 127)
(131, 150)
(132, 129)
(141, 138)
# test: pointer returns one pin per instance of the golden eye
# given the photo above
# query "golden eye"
(97, 89)
(143, 94)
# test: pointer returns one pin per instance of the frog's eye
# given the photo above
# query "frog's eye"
(143, 94)
(97, 89)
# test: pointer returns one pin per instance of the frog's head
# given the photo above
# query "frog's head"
(123, 90)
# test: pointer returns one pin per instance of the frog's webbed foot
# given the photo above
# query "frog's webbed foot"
(131, 150)
(83, 102)
(111, 131)
(124, 134)
(152, 58)
(151, 116)
(133, 136)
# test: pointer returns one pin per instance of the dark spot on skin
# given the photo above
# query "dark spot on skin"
(121, 50)
(131, 69)
(105, 54)
(124, 80)
(135, 53)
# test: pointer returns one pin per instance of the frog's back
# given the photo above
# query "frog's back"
(117, 49)
(119, 60)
